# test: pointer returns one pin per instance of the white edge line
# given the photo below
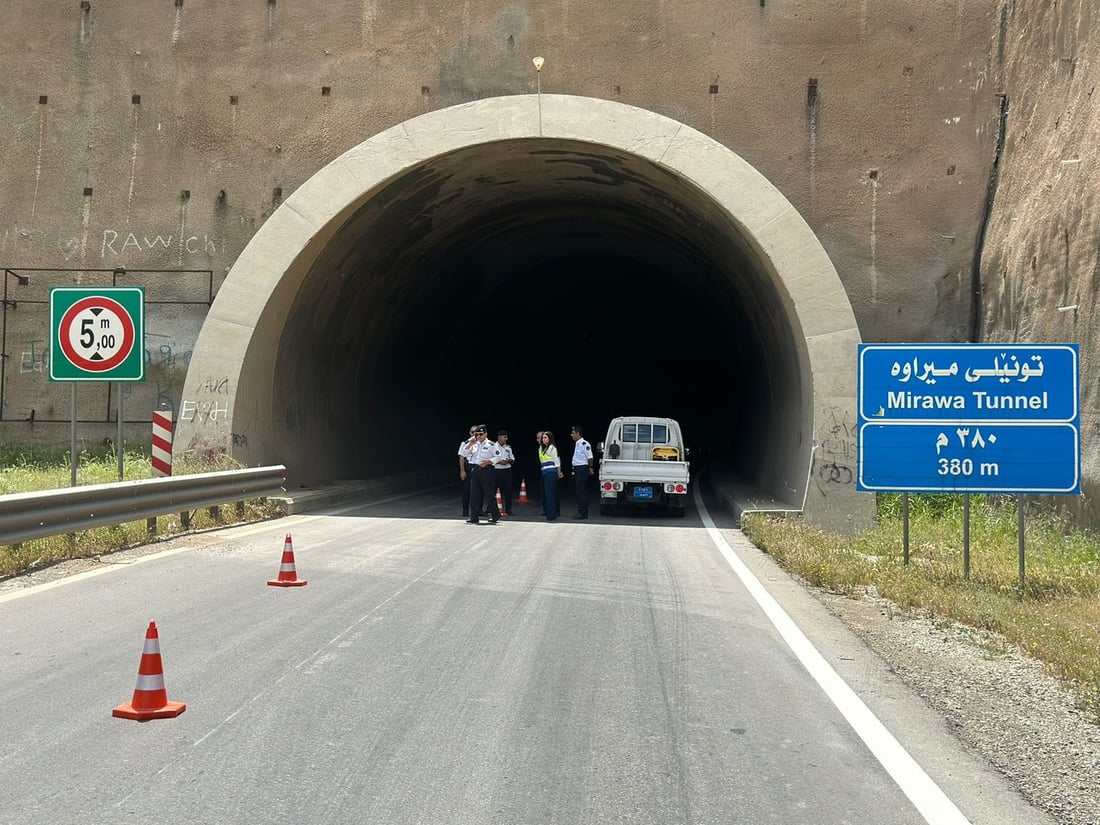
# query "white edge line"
(241, 530)
(87, 574)
(927, 797)
(110, 567)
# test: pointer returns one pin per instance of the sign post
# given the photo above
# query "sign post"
(97, 334)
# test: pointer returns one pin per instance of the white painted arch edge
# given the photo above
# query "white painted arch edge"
(733, 184)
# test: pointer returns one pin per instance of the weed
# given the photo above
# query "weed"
(24, 472)
(1054, 617)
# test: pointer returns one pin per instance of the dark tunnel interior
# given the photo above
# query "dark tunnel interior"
(577, 340)
(529, 287)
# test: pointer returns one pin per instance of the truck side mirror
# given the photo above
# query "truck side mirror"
(613, 450)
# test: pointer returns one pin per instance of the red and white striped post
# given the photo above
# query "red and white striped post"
(162, 443)
(161, 455)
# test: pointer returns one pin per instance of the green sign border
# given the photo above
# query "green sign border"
(131, 299)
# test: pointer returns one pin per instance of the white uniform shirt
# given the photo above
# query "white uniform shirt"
(507, 457)
(582, 453)
(485, 451)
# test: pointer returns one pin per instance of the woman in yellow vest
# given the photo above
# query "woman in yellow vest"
(550, 463)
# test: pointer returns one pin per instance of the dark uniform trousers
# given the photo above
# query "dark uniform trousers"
(466, 490)
(482, 488)
(504, 484)
(582, 472)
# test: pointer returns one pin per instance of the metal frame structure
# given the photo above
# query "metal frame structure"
(23, 279)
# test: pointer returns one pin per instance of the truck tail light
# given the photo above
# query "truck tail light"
(675, 488)
(607, 485)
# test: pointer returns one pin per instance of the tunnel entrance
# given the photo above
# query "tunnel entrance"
(485, 264)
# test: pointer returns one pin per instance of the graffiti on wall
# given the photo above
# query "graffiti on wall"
(35, 356)
(837, 448)
(211, 405)
(117, 244)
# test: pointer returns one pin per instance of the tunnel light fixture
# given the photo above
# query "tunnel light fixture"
(539, 62)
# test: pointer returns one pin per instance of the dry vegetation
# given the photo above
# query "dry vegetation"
(1055, 616)
(23, 472)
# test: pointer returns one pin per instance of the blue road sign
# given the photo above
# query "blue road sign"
(961, 418)
(971, 382)
(982, 457)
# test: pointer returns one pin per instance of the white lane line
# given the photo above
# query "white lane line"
(927, 797)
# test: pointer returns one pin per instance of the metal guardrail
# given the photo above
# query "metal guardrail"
(26, 516)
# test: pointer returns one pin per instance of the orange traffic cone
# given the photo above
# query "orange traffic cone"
(288, 576)
(523, 493)
(500, 504)
(150, 697)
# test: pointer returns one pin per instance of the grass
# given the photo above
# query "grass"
(1054, 617)
(29, 471)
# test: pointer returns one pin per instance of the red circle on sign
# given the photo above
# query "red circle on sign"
(70, 318)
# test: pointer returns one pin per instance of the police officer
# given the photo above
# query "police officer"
(582, 469)
(483, 456)
(464, 470)
(503, 472)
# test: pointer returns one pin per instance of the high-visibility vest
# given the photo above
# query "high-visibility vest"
(546, 460)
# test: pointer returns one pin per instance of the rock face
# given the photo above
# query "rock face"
(1040, 263)
(940, 151)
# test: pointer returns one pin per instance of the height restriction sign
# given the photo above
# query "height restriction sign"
(97, 334)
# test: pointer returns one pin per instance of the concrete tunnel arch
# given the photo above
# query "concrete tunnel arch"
(572, 247)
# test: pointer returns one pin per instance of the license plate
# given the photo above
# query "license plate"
(643, 492)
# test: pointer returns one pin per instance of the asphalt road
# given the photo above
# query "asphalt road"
(618, 670)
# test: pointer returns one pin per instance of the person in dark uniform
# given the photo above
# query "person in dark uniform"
(484, 455)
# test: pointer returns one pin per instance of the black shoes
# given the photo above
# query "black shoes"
(579, 516)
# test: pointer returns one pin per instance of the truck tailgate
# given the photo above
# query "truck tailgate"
(651, 471)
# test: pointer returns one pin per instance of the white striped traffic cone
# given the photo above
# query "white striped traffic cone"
(500, 504)
(288, 576)
(150, 696)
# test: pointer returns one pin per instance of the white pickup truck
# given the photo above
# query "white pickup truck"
(643, 463)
